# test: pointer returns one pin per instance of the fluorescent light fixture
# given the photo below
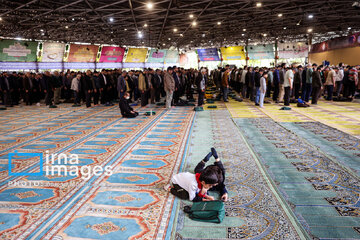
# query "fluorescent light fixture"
(280, 15)
(259, 4)
(191, 16)
(311, 16)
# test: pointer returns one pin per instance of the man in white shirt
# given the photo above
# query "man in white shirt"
(288, 85)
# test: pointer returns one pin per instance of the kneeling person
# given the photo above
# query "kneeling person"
(125, 109)
(195, 186)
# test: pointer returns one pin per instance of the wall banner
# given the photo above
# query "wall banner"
(82, 53)
(256, 52)
(172, 56)
(136, 55)
(157, 56)
(53, 52)
(293, 50)
(233, 53)
(208, 54)
(112, 54)
(337, 43)
(17, 51)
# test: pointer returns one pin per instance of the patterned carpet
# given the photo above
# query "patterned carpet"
(290, 174)
(143, 153)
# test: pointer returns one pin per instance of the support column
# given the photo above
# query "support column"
(276, 52)
(247, 53)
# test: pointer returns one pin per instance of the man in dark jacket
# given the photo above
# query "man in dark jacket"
(201, 86)
(298, 81)
(316, 85)
(87, 87)
(258, 74)
(125, 109)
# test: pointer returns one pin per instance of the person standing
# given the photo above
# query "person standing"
(263, 88)
(276, 84)
(169, 86)
(330, 84)
(121, 84)
(282, 71)
(201, 81)
(225, 84)
(157, 84)
(258, 74)
(288, 85)
(96, 87)
(6, 89)
(339, 80)
(57, 80)
(298, 81)
(75, 87)
(316, 85)
(242, 82)
(143, 87)
(28, 88)
(87, 87)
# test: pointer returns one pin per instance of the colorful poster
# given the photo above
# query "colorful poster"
(157, 56)
(293, 50)
(136, 55)
(82, 53)
(172, 56)
(17, 51)
(233, 53)
(53, 52)
(337, 43)
(111, 54)
(256, 52)
(208, 54)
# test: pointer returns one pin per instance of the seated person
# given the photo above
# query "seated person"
(125, 109)
(195, 186)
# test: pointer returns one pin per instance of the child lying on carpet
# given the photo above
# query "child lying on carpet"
(195, 186)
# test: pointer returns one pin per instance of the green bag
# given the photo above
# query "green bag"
(207, 211)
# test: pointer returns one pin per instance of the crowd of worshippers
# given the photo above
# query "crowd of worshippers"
(285, 84)
(104, 87)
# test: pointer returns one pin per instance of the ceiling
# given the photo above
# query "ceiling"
(218, 22)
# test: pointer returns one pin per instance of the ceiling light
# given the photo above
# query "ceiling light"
(194, 23)
(298, 24)
(242, 34)
(175, 29)
(181, 35)
(41, 30)
(244, 29)
(310, 30)
(66, 27)
(191, 16)
(284, 28)
(218, 23)
(125, 29)
(169, 39)
(0, 18)
(264, 34)
(149, 5)
(111, 19)
(163, 44)
(311, 16)
(349, 28)
(145, 25)
(42, 34)
(73, 19)
(280, 15)
(140, 35)
(258, 4)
